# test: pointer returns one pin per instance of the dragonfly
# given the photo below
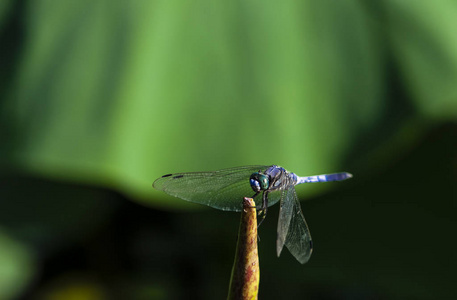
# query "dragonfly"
(224, 189)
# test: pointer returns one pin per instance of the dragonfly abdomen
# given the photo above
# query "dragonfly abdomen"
(324, 178)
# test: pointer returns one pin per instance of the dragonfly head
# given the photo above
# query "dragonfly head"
(259, 182)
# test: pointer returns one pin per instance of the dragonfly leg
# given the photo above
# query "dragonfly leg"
(263, 209)
(253, 197)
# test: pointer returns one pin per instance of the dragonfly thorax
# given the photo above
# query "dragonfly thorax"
(259, 182)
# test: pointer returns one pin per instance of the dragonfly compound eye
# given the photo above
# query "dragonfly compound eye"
(254, 181)
(259, 182)
(264, 181)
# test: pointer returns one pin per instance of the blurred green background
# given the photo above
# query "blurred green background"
(99, 98)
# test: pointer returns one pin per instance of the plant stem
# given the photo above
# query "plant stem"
(244, 282)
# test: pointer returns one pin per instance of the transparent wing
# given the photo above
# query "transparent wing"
(223, 189)
(285, 214)
(292, 228)
(273, 198)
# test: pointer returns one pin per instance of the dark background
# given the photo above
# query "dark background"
(98, 99)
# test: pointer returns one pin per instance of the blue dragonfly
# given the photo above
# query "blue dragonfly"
(225, 190)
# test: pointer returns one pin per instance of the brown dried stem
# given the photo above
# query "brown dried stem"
(244, 282)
